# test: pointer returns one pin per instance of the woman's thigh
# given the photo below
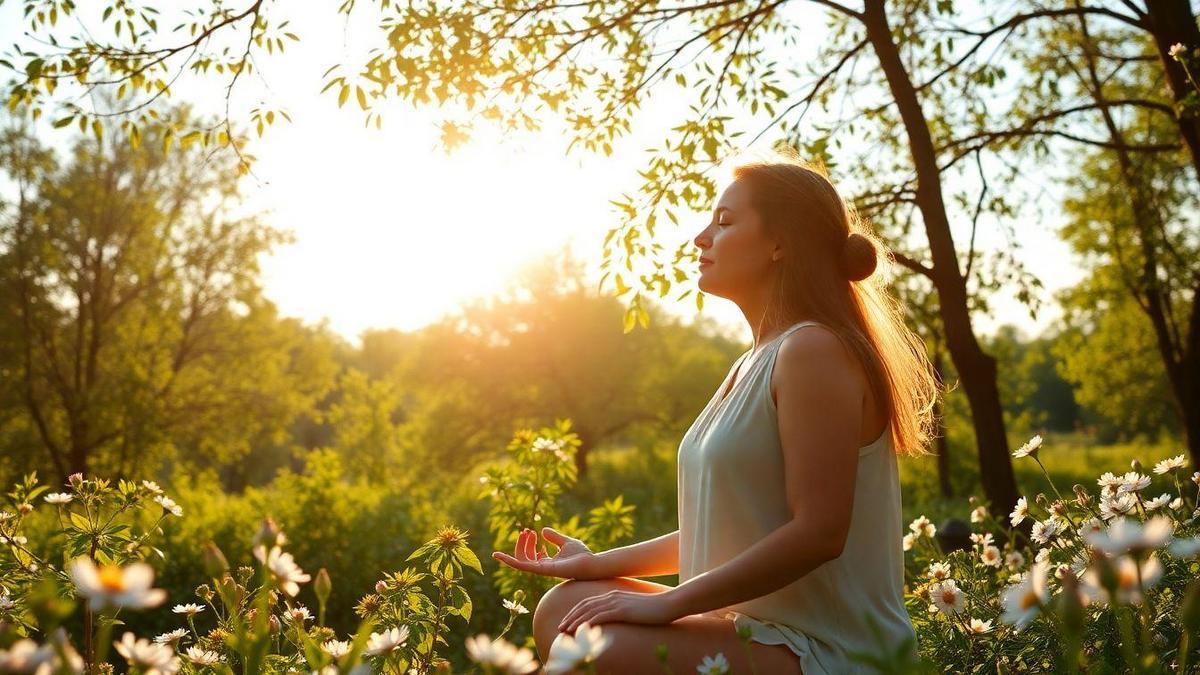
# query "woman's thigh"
(633, 649)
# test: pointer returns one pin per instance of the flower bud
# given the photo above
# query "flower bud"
(381, 586)
(322, 586)
(1136, 466)
(215, 563)
(268, 534)
(204, 592)
(273, 624)
(25, 508)
(75, 480)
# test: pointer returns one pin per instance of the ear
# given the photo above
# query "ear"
(776, 254)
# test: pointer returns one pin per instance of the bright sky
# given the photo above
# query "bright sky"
(392, 232)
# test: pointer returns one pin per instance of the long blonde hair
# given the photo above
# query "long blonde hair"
(827, 275)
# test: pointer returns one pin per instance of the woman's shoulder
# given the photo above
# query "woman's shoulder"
(815, 354)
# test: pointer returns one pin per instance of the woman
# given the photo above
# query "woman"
(789, 498)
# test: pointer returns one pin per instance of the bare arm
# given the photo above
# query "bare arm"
(649, 558)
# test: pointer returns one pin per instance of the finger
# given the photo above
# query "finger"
(554, 536)
(574, 612)
(519, 546)
(531, 545)
(512, 562)
(598, 617)
(580, 612)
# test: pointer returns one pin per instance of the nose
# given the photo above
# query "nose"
(702, 240)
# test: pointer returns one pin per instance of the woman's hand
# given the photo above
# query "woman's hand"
(573, 560)
(624, 606)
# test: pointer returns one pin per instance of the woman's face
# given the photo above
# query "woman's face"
(735, 254)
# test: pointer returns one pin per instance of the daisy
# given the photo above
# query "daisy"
(284, 568)
(152, 486)
(1158, 502)
(948, 597)
(984, 539)
(298, 614)
(1020, 512)
(1029, 449)
(111, 585)
(1110, 480)
(58, 498)
(167, 638)
(190, 609)
(713, 665)
(1014, 560)
(515, 607)
(922, 526)
(1134, 482)
(1044, 530)
(1023, 600)
(1117, 506)
(151, 659)
(202, 657)
(1127, 580)
(978, 626)
(990, 556)
(1129, 535)
(501, 654)
(26, 656)
(939, 571)
(169, 505)
(336, 648)
(1172, 464)
(570, 651)
(1176, 50)
(908, 541)
(978, 514)
(387, 641)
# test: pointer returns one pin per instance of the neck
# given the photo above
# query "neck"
(754, 306)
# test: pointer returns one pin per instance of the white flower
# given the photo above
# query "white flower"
(169, 505)
(283, 567)
(1110, 480)
(1134, 482)
(984, 539)
(501, 654)
(1020, 512)
(1014, 560)
(190, 609)
(939, 571)
(908, 541)
(26, 656)
(336, 648)
(1030, 447)
(1127, 580)
(1196, 478)
(1116, 506)
(6, 602)
(922, 526)
(1171, 464)
(1158, 502)
(1023, 600)
(298, 614)
(1176, 504)
(978, 514)
(978, 626)
(948, 597)
(1126, 535)
(1044, 530)
(202, 657)
(713, 665)
(127, 587)
(150, 658)
(152, 486)
(990, 556)
(515, 607)
(387, 641)
(567, 652)
(172, 636)
(541, 444)
(1185, 548)
(1176, 50)
(58, 498)
(5, 516)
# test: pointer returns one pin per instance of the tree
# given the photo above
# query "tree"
(138, 330)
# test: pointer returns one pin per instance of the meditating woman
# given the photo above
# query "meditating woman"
(788, 493)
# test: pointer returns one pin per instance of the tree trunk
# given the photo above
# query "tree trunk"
(976, 369)
(1170, 22)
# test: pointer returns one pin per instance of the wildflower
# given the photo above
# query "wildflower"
(1110, 480)
(978, 514)
(1029, 449)
(127, 587)
(984, 539)
(1176, 504)
(1014, 560)
(387, 641)
(26, 656)
(567, 652)
(283, 567)
(1044, 530)
(1134, 482)
(169, 505)
(190, 609)
(1176, 50)
(939, 571)
(1127, 573)
(990, 556)
(908, 541)
(713, 665)
(75, 480)
(5, 516)
(298, 614)
(167, 638)
(336, 648)
(1117, 506)
(948, 597)
(152, 487)
(1023, 600)
(542, 443)
(150, 658)
(6, 602)
(515, 607)
(922, 526)
(1172, 464)
(202, 657)
(1020, 512)
(501, 654)
(1129, 535)
(1158, 502)
(977, 626)
(58, 498)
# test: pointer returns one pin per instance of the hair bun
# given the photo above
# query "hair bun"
(858, 257)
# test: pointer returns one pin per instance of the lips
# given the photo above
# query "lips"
(705, 261)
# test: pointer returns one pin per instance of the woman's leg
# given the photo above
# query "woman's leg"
(688, 639)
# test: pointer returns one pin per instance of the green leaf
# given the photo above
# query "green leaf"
(468, 558)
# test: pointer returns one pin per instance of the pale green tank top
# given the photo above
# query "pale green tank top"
(731, 494)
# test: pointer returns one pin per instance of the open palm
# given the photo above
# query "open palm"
(573, 560)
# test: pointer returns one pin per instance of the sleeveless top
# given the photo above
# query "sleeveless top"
(731, 494)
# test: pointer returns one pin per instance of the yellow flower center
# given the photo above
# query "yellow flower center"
(111, 578)
(1029, 599)
(948, 597)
